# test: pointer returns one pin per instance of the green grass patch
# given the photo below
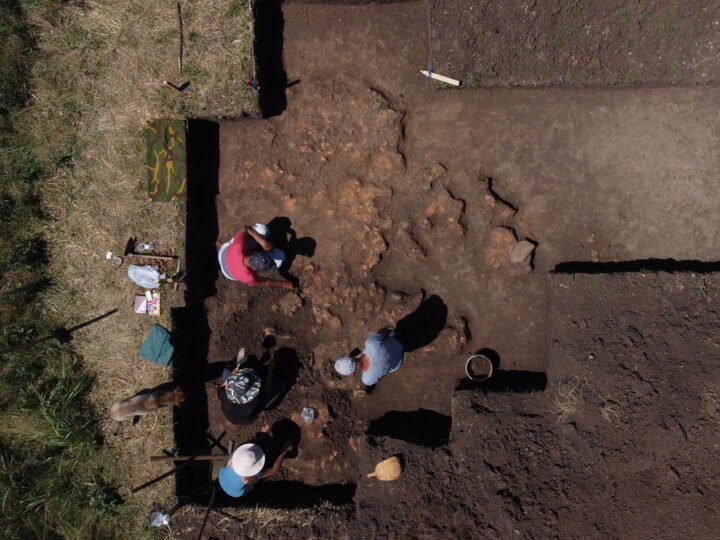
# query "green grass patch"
(572, 7)
(668, 27)
(78, 81)
(55, 478)
(626, 76)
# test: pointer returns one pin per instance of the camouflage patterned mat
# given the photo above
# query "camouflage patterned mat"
(166, 159)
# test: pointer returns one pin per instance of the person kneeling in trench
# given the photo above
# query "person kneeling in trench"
(383, 354)
(244, 393)
(250, 252)
(247, 464)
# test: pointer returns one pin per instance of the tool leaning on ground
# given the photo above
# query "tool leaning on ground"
(141, 274)
(130, 252)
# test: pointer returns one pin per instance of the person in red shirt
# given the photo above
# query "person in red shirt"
(250, 253)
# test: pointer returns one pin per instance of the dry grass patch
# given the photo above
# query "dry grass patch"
(566, 398)
(97, 81)
(225, 523)
(569, 394)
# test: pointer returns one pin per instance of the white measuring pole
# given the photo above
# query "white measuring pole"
(440, 78)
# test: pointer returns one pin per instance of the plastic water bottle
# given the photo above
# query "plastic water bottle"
(159, 519)
(308, 415)
(145, 246)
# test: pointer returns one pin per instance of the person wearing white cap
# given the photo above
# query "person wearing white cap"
(247, 466)
(383, 354)
(249, 253)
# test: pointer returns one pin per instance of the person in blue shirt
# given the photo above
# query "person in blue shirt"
(383, 354)
(247, 466)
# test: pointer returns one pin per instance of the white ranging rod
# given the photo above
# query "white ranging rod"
(440, 78)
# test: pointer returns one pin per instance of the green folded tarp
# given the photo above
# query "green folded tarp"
(166, 159)
(157, 347)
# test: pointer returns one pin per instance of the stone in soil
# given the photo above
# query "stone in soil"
(521, 252)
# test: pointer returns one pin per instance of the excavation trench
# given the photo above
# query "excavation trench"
(391, 186)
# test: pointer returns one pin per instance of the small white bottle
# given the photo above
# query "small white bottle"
(308, 415)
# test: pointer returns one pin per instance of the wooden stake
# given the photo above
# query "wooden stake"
(206, 457)
(207, 514)
(180, 467)
(440, 78)
(151, 256)
(180, 47)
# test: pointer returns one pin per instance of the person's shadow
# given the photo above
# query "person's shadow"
(287, 430)
(423, 325)
(285, 374)
(284, 237)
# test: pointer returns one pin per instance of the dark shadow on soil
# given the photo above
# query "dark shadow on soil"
(287, 430)
(287, 368)
(289, 494)
(201, 262)
(271, 76)
(284, 237)
(493, 356)
(494, 194)
(640, 265)
(508, 381)
(190, 337)
(421, 327)
(190, 328)
(505, 380)
(423, 427)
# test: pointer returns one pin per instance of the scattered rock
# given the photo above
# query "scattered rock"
(521, 252)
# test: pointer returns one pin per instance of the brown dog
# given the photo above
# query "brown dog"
(135, 407)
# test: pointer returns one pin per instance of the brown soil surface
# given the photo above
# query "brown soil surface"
(576, 42)
(407, 202)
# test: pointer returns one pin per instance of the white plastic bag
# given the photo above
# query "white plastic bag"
(145, 276)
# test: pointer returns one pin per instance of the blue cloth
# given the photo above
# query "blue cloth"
(385, 355)
(233, 484)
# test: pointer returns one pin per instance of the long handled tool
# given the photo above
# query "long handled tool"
(207, 457)
(63, 335)
(212, 497)
(130, 252)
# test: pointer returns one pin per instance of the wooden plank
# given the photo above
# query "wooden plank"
(207, 457)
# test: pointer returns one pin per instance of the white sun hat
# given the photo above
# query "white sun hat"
(248, 460)
(262, 230)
